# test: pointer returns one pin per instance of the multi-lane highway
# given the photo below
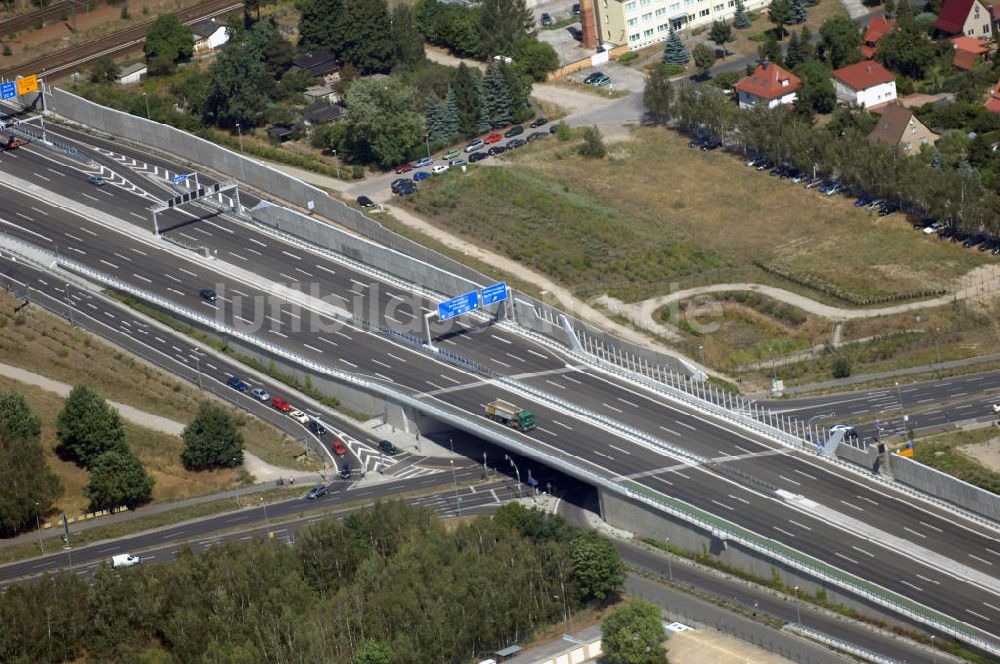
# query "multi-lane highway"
(74, 218)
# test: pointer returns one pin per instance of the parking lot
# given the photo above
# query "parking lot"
(565, 40)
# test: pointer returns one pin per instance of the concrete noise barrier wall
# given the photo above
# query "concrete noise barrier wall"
(932, 481)
(863, 457)
(268, 179)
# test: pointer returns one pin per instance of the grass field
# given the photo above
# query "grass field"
(50, 347)
(657, 211)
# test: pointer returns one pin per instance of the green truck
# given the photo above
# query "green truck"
(511, 415)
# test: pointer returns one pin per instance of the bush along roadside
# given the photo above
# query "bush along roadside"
(817, 284)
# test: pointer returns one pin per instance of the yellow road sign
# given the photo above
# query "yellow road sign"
(27, 85)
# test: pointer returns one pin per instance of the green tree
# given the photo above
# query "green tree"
(740, 19)
(118, 478)
(320, 25)
(406, 38)
(373, 652)
(382, 121)
(817, 90)
(906, 50)
(597, 567)
(841, 41)
(658, 93)
(494, 100)
(770, 50)
(465, 85)
(806, 50)
(28, 487)
(502, 23)
(634, 634)
(167, 42)
(721, 34)
(518, 87)
(366, 36)
(841, 367)
(212, 439)
(704, 58)
(435, 121)
(779, 12)
(234, 93)
(793, 53)
(104, 70)
(674, 51)
(593, 146)
(534, 58)
(451, 119)
(88, 426)
(798, 13)
(889, 8)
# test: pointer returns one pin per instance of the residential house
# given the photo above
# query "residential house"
(131, 74)
(323, 92)
(965, 17)
(968, 51)
(639, 23)
(208, 36)
(994, 103)
(877, 28)
(897, 125)
(320, 64)
(864, 84)
(321, 112)
(280, 133)
(768, 86)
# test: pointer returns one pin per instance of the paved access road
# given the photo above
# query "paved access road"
(250, 263)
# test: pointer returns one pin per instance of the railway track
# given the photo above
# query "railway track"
(67, 61)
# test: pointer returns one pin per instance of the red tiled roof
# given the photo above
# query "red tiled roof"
(994, 103)
(769, 81)
(863, 75)
(964, 60)
(878, 27)
(953, 15)
(970, 44)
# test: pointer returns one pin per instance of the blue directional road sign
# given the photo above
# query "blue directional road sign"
(177, 179)
(8, 90)
(495, 293)
(457, 306)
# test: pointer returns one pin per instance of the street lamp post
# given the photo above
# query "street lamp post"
(454, 479)
(937, 350)
(336, 161)
(902, 415)
(239, 133)
(427, 142)
(38, 527)
(798, 607)
(197, 365)
(670, 568)
(267, 523)
(516, 472)
(933, 652)
(146, 97)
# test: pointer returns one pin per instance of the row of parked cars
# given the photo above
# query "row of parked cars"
(475, 151)
(282, 406)
(948, 231)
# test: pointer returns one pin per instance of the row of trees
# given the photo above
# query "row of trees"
(475, 104)
(840, 150)
(28, 487)
(483, 30)
(388, 584)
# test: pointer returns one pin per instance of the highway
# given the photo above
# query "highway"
(179, 277)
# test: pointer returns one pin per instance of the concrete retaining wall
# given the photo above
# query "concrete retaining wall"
(265, 178)
(944, 486)
(863, 457)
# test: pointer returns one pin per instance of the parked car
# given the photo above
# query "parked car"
(593, 77)
(535, 135)
(888, 209)
(812, 183)
(398, 183)
(316, 427)
(439, 169)
(451, 155)
(365, 202)
(280, 404)
(420, 176)
(974, 241)
(547, 19)
(125, 560)
(492, 138)
(696, 142)
(426, 161)
(554, 128)
(405, 168)
(864, 200)
(477, 156)
(338, 447)
(800, 177)
(988, 244)
(753, 162)
(260, 394)
(495, 150)
(317, 491)
(933, 228)
(875, 204)
(455, 163)
(538, 122)
(601, 81)
(711, 144)
(237, 384)
(97, 180)
(298, 416)
(836, 188)
(407, 190)
(516, 143)
(765, 165)
(996, 249)
(475, 145)
(516, 130)
(387, 448)
(576, 9)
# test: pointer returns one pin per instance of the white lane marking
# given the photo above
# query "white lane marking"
(921, 576)
(109, 263)
(280, 334)
(800, 525)
(685, 424)
(840, 555)
(783, 531)
(991, 606)
(457, 382)
(41, 212)
(677, 472)
(561, 387)
(257, 242)
(174, 290)
(395, 357)
(24, 216)
(615, 447)
(868, 500)
(291, 255)
(138, 251)
(79, 251)
(860, 509)
(338, 332)
(628, 403)
(139, 276)
(124, 258)
(501, 362)
(607, 405)
(236, 255)
(787, 479)
(551, 433)
(978, 615)
(870, 555)
(359, 283)
(137, 215)
(313, 348)
(73, 237)
(500, 339)
(43, 177)
(384, 377)
(924, 523)
(670, 431)
(308, 274)
(805, 474)
(350, 364)
(572, 380)
(914, 532)
(537, 354)
(667, 482)
(731, 509)
(187, 272)
(325, 340)
(434, 385)
(917, 588)
(981, 559)
(742, 500)
(170, 276)
(93, 198)
(381, 364)
(564, 426)
(325, 269)
(603, 455)
(519, 359)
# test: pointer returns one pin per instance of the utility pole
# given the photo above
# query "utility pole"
(38, 527)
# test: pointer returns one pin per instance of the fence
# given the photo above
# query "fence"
(556, 459)
(935, 482)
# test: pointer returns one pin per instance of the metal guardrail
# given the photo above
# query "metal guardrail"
(718, 526)
(41, 138)
(840, 644)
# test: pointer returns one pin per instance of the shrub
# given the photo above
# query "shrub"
(626, 58)
(357, 172)
(841, 367)
(674, 70)
(593, 144)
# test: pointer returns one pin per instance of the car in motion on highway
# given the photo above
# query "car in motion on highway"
(385, 447)
(237, 384)
(298, 416)
(280, 404)
(97, 180)
(316, 427)
(260, 394)
(338, 447)
(317, 491)
(208, 294)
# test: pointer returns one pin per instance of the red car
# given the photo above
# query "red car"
(404, 168)
(492, 138)
(281, 404)
(338, 447)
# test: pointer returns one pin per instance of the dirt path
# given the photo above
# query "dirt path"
(251, 463)
(709, 645)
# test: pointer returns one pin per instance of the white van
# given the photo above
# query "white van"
(124, 560)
